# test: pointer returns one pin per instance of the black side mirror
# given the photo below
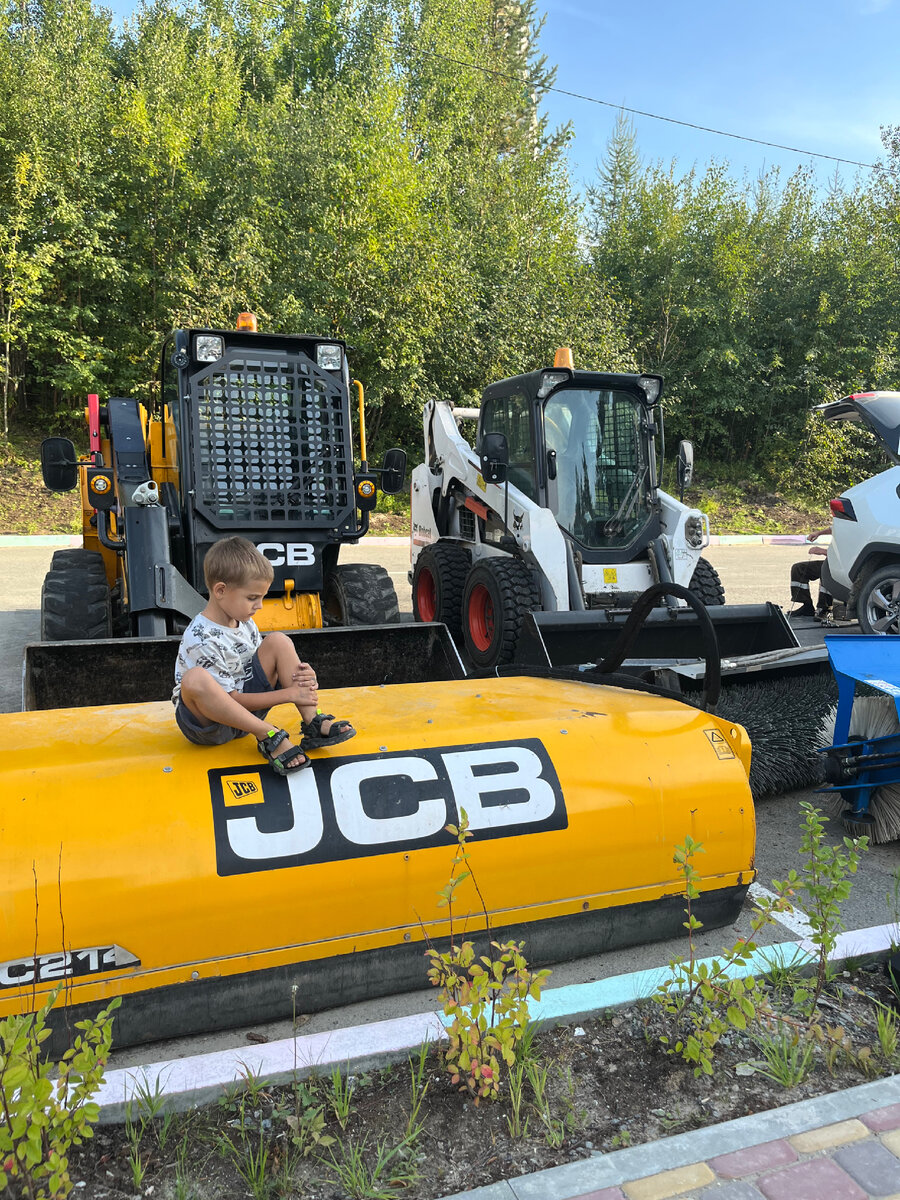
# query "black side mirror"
(393, 472)
(494, 457)
(685, 467)
(59, 464)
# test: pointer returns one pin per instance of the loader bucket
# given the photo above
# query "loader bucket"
(209, 892)
(131, 670)
(668, 635)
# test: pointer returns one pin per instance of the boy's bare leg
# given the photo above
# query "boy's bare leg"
(280, 661)
(209, 700)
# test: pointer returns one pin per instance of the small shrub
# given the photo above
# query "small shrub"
(42, 1116)
(484, 997)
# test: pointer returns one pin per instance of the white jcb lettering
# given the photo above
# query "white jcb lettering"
(14, 973)
(357, 826)
(471, 789)
(248, 841)
(288, 554)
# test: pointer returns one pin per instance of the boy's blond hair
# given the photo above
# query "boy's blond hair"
(236, 562)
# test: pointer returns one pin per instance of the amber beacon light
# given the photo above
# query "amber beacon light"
(247, 322)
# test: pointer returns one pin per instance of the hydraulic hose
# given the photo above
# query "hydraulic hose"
(712, 678)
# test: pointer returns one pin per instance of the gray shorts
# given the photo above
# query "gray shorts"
(200, 733)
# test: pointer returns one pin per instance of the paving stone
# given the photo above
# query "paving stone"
(604, 1194)
(872, 1166)
(753, 1160)
(736, 1190)
(816, 1179)
(892, 1141)
(828, 1136)
(882, 1119)
(670, 1183)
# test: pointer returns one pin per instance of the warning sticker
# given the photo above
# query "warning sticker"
(610, 575)
(719, 743)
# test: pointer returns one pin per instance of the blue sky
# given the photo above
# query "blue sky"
(817, 74)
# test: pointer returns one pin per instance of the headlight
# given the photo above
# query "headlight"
(207, 347)
(693, 532)
(550, 380)
(329, 357)
(652, 386)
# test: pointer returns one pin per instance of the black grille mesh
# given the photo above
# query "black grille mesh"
(272, 444)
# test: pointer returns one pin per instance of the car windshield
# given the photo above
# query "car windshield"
(601, 465)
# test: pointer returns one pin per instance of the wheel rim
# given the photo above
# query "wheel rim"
(426, 596)
(481, 618)
(883, 607)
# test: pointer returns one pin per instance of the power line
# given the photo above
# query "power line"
(634, 111)
(637, 112)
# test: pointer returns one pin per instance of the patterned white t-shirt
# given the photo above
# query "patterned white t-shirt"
(225, 652)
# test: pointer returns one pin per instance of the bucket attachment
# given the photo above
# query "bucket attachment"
(669, 637)
(208, 892)
(133, 670)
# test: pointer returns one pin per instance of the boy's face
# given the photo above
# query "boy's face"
(240, 602)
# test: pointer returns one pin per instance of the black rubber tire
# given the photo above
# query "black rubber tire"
(79, 560)
(706, 584)
(875, 598)
(75, 605)
(439, 580)
(498, 594)
(359, 594)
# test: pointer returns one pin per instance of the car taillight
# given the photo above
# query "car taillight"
(843, 508)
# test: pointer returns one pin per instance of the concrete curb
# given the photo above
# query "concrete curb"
(201, 1078)
(40, 539)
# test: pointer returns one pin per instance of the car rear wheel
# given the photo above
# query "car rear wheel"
(498, 594)
(878, 605)
(439, 580)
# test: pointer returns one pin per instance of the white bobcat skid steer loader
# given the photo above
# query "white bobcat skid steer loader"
(558, 512)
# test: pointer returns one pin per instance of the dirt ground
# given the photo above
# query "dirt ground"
(598, 1087)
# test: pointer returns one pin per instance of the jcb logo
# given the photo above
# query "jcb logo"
(375, 804)
(288, 554)
(241, 788)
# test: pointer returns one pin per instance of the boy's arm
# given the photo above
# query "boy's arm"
(296, 694)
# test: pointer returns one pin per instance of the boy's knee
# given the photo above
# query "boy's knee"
(278, 641)
(195, 681)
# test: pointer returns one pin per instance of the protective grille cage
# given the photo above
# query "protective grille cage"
(272, 443)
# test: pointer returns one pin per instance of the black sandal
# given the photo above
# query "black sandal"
(269, 744)
(314, 739)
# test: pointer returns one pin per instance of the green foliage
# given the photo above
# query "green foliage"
(484, 997)
(788, 1056)
(374, 1175)
(46, 1106)
(704, 999)
(821, 886)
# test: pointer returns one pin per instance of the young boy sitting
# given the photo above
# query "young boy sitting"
(228, 676)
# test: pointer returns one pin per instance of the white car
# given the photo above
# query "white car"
(862, 567)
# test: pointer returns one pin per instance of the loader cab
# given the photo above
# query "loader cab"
(261, 430)
(582, 444)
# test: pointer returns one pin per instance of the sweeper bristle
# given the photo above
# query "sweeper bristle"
(875, 717)
(784, 718)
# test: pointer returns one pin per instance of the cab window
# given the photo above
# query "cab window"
(512, 415)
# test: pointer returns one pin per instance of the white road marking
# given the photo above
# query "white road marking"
(790, 920)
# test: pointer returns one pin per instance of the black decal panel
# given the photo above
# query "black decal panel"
(363, 805)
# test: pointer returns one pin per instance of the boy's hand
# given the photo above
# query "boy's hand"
(304, 674)
(300, 693)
